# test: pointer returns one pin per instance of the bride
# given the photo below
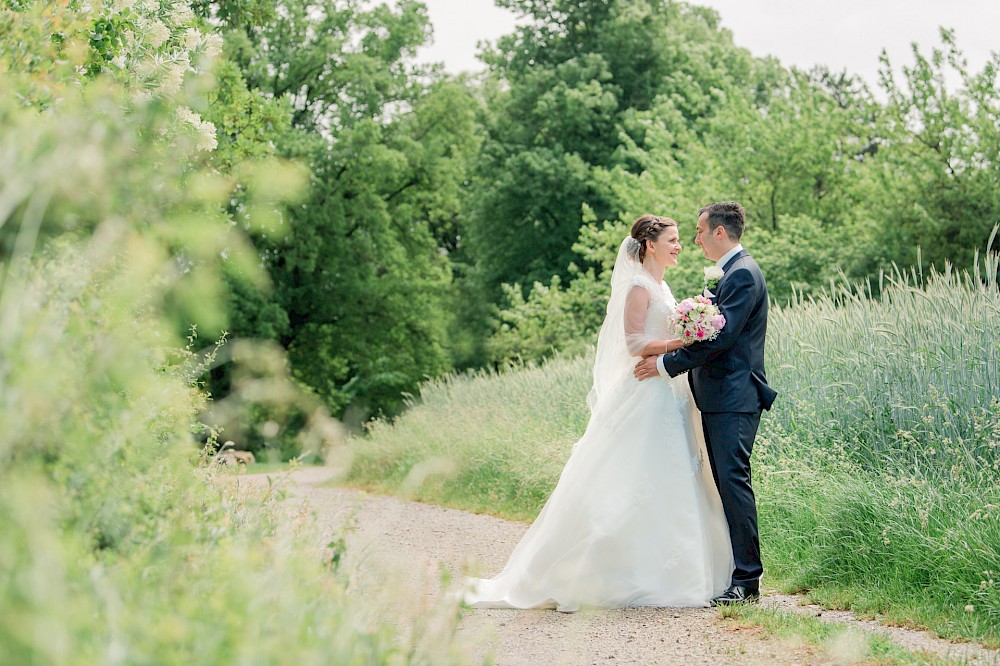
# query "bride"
(635, 519)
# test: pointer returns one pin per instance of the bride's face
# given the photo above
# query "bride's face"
(668, 246)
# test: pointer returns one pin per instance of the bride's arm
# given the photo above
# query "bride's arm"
(638, 343)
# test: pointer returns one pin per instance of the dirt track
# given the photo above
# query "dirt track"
(406, 546)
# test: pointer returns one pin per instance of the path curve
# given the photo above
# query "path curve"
(393, 543)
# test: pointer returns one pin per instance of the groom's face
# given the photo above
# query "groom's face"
(710, 244)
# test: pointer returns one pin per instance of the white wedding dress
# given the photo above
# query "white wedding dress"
(635, 519)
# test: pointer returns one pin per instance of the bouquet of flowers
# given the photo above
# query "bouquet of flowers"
(697, 320)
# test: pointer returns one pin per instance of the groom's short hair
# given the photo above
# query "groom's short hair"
(728, 214)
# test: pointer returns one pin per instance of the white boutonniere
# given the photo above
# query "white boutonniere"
(712, 276)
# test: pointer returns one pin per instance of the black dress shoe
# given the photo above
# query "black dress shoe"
(737, 594)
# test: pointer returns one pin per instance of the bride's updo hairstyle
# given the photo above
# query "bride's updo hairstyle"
(647, 228)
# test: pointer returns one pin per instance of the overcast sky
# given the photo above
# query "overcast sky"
(843, 34)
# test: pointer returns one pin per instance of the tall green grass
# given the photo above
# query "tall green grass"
(880, 472)
(876, 473)
(487, 442)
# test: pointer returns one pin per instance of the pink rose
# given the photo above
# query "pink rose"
(701, 333)
(685, 306)
(718, 321)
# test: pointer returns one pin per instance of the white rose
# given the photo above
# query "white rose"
(713, 273)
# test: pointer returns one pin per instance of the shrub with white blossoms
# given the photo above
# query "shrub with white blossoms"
(205, 129)
(152, 46)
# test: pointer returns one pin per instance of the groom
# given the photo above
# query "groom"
(729, 385)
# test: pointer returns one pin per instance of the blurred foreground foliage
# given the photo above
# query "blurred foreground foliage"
(115, 221)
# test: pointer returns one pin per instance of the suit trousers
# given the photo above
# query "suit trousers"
(729, 437)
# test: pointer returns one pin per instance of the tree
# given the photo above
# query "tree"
(570, 83)
(935, 182)
(362, 283)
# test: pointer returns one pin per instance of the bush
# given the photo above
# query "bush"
(115, 547)
(550, 320)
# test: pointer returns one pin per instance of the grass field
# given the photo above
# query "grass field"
(876, 473)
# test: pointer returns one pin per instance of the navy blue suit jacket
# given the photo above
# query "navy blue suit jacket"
(727, 374)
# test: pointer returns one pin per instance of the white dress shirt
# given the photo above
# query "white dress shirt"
(721, 263)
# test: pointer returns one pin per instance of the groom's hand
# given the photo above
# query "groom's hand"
(646, 368)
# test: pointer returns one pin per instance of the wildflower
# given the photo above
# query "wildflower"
(174, 78)
(192, 39)
(186, 115)
(206, 130)
(181, 14)
(213, 45)
(206, 136)
(157, 33)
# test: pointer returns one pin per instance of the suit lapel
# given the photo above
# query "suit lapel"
(725, 269)
(742, 253)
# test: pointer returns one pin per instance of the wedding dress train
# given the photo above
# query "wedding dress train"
(635, 519)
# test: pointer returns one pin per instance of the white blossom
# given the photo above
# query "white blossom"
(213, 45)
(206, 136)
(174, 78)
(186, 115)
(205, 129)
(157, 33)
(192, 39)
(181, 14)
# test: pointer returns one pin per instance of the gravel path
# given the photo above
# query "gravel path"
(405, 546)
